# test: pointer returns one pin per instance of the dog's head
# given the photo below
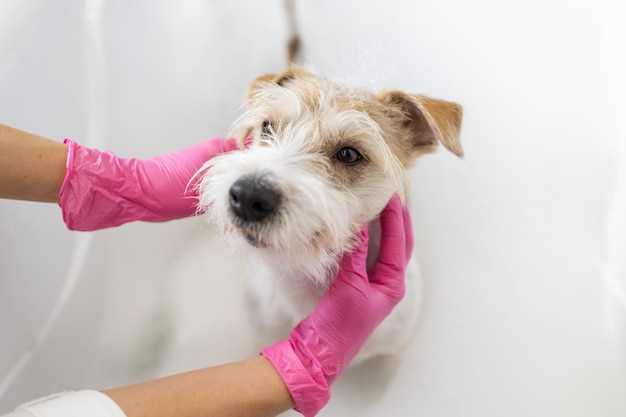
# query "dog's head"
(317, 160)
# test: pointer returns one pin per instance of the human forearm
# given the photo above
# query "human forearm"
(96, 189)
(247, 388)
(31, 167)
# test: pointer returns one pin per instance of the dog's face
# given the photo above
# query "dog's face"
(317, 161)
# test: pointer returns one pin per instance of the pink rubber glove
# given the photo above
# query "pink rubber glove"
(101, 190)
(322, 345)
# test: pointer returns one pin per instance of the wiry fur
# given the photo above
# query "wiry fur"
(324, 201)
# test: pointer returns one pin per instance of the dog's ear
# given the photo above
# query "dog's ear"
(278, 79)
(428, 120)
(259, 82)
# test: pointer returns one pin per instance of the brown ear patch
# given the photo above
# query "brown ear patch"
(291, 74)
(258, 83)
(278, 79)
(429, 121)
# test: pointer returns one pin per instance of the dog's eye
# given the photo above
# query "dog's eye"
(348, 156)
(266, 130)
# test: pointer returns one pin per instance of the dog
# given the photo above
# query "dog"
(316, 161)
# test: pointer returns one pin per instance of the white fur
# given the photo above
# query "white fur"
(294, 255)
(286, 241)
(286, 277)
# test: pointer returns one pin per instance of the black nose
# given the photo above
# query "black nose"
(252, 201)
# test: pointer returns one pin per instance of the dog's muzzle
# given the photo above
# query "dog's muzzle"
(251, 200)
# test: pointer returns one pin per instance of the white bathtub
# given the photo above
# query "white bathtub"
(521, 243)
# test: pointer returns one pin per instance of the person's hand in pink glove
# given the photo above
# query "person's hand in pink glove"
(320, 347)
(101, 190)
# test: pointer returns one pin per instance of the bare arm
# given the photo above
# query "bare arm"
(31, 167)
(248, 388)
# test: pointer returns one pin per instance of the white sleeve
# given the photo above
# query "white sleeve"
(72, 404)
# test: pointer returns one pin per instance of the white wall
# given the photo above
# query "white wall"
(521, 243)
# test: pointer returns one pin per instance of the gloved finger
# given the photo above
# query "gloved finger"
(227, 145)
(248, 141)
(189, 160)
(353, 262)
(408, 231)
(393, 236)
(388, 273)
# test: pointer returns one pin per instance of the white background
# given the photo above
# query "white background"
(521, 243)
